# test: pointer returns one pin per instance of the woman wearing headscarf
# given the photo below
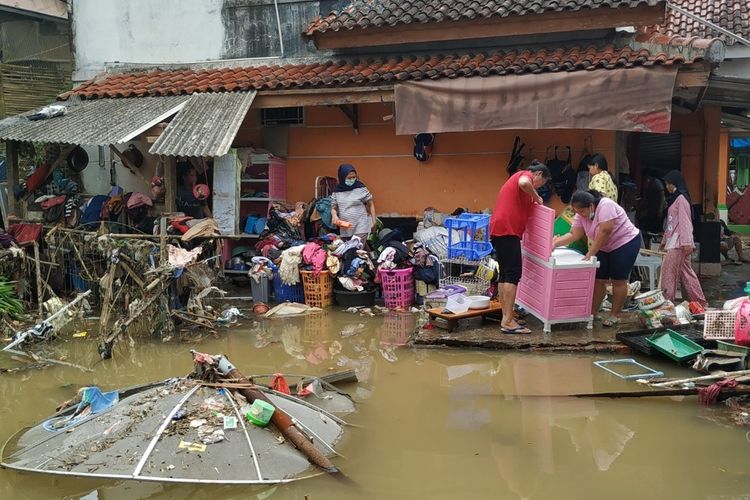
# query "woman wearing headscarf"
(352, 210)
(678, 242)
(601, 180)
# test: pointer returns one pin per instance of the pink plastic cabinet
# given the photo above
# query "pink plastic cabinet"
(556, 286)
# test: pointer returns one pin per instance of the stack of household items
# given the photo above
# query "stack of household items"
(326, 265)
(465, 270)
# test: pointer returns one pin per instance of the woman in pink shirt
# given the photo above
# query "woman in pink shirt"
(678, 242)
(615, 242)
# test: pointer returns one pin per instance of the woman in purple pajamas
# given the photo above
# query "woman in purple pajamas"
(678, 242)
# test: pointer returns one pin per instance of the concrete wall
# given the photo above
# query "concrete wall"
(144, 31)
(107, 32)
(466, 169)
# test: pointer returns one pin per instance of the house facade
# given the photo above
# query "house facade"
(337, 82)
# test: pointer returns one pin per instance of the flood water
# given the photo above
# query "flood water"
(435, 423)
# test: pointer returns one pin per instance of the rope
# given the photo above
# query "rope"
(709, 395)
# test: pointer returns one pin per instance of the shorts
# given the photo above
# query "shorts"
(508, 254)
(617, 264)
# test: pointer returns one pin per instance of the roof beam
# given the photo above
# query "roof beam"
(314, 97)
(493, 27)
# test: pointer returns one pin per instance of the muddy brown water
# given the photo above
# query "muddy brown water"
(436, 423)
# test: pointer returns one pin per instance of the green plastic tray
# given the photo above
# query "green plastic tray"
(676, 346)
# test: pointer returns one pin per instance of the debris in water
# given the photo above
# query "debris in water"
(352, 329)
(229, 316)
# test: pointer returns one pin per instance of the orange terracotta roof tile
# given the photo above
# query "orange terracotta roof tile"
(641, 50)
(731, 15)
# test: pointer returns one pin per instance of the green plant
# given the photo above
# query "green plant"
(9, 303)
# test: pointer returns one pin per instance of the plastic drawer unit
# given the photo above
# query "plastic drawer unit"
(556, 285)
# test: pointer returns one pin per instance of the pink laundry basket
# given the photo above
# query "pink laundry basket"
(742, 324)
(398, 287)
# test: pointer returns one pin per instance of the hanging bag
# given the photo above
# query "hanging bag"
(516, 158)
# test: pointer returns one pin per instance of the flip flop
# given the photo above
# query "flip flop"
(517, 330)
(611, 321)
(520, 321)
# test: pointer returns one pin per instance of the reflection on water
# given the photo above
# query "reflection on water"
(433, 423)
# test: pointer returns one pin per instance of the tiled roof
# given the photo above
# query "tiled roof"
(645, 50)
(732, 15)
(375, 13)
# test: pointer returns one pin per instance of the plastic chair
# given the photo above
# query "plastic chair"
(652, 263)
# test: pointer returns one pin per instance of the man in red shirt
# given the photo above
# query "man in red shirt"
(507, 225)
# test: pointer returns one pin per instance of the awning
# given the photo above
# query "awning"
(634, 99)
(98, 122)
(206, 126)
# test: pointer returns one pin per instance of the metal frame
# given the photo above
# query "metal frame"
(648, 373)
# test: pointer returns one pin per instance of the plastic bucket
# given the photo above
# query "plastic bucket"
(260, 413)
(260, 289)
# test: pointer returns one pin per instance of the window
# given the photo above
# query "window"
(282, 116)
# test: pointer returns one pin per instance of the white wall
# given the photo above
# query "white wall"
(144, 31)
(96, 179)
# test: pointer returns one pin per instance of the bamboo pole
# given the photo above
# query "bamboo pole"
(713, 376)
(80, 259)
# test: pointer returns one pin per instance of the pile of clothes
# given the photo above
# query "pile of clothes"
(347, 261)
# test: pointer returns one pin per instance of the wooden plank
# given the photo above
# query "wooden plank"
(495, 306)
(530, 24)
(692, 76)
(315, 98)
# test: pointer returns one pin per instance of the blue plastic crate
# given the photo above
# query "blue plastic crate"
(288, 293)
(471, 250)
(468, 236)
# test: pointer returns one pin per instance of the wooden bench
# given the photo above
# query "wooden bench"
(452, 319)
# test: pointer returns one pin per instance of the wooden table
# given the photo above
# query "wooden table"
(453, 319)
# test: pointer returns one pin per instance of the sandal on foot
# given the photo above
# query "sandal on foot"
(611, 321)
(518, 329)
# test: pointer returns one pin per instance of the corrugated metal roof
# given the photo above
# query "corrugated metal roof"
(94, 123)
(206, 126)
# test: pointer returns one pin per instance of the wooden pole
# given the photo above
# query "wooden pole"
(11, 149)
(170, 184)
(39, 287)
(280, 419)
(163, 241)
(109, 280)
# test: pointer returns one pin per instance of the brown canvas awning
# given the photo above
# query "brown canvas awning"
(634, 99)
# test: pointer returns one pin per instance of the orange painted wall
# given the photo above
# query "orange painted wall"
(691, 128)
(466, 169)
